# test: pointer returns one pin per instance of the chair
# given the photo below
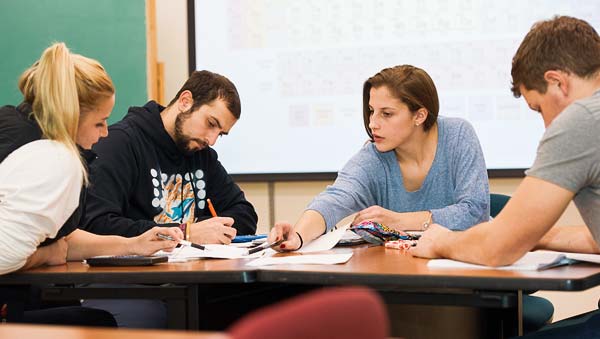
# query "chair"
(339, 312)
(537, 311)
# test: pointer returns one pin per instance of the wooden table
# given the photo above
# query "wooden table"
(377, 265)
(74, 332)
(399, 277)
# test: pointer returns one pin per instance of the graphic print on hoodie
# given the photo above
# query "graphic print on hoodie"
(175, 195)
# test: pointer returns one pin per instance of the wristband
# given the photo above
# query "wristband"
(183, 227)
(301, 241)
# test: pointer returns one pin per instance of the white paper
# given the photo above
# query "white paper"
(186, 253)
(325, 242)
(319, 259)
(350, 235)
(593, 258)
(529, 262)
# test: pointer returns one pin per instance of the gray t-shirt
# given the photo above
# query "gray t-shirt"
(569, 156)
(455, 190)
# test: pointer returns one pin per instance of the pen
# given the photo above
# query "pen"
(263, 246)
(182, 242)
(211, 208)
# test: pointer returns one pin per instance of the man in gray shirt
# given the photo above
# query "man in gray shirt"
(557, 70)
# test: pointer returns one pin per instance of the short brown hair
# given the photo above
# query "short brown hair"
(409, 84)
(207, 86)
(561, 43)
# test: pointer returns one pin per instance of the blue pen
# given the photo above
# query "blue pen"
(247, 238)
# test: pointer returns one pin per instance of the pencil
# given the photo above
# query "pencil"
(211, 208)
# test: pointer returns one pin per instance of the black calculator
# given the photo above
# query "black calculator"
(125, 260)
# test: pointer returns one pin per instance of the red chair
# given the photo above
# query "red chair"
(344, 312)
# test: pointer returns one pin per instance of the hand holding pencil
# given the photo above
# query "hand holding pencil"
(216, 230)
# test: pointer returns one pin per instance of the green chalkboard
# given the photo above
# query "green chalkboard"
(110, 31)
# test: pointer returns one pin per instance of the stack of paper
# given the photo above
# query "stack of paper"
(186, 253)
(323, 243)
(310, 259)
(531, 261)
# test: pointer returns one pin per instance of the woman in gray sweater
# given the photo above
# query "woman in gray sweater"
(416, 168)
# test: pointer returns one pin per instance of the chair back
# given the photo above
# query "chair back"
(341, 312)
(497, 203)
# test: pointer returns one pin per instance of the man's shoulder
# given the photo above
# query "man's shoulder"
(581, 115)
(120, 138)
(122, 128)
(586, 108)
(120, 133)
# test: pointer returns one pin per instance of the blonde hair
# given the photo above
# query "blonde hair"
(59, 87)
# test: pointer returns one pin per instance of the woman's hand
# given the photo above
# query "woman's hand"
(285, 231)
(55, 253)
(379, 215)
(149, 243)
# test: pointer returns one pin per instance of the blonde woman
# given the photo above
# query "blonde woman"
(45, 147)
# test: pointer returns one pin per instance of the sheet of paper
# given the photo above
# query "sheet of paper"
(318, 259)
(529, 262)
(350, 235)
(325, 242)
(187, 253)
(593, 258)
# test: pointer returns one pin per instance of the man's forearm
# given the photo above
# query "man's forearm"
(569, 239)
(480, 245)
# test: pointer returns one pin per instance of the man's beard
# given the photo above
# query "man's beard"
(181, 140)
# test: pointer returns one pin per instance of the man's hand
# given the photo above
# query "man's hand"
(215, 230)
(426, 245)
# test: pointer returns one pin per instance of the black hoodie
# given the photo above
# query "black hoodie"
(141, 180)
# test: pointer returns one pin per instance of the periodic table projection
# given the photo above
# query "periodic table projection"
(300, 66)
